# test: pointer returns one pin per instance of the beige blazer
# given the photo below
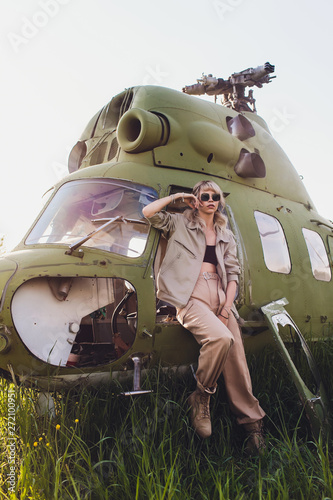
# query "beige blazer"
(184, 255)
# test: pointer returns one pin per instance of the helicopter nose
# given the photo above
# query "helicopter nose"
(8, 268)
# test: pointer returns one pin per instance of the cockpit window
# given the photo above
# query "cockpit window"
(274, 245)
(81, 207)
(318, 256)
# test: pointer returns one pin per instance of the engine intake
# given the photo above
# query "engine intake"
(140, 130)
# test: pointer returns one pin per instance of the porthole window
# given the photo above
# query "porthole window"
(318, 256)
(274, 244)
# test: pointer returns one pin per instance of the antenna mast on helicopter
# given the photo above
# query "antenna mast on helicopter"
(233, 89)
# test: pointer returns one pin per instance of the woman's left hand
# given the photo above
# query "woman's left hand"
(223, 319)
(224, 314)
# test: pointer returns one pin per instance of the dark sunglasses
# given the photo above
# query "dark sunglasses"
(206, 197)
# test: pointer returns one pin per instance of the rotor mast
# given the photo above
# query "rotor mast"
(233, 89)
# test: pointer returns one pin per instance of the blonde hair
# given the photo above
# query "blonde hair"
(220, 220)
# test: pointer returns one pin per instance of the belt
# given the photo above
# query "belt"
(210, 276)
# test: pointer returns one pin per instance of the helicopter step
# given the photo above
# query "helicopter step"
(45, 405)
(137, 361)
(314, 401)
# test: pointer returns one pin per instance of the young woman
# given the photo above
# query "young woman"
(199, 276)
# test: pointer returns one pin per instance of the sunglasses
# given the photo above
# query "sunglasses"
(206, 197)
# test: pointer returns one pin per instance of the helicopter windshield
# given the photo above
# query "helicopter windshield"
(81, 207)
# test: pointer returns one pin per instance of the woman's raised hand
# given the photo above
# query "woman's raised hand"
(190, 200)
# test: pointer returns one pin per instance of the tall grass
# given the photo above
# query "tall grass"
(101, 445)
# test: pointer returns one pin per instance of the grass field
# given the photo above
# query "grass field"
(104, 446)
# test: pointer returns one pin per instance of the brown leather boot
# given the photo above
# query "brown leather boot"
(255, 440)
(200, 415)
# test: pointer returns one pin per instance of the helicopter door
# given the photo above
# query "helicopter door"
(285, 331)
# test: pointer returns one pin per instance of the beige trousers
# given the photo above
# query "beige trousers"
(222, 349)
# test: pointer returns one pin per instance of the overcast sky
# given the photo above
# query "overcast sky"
(62, 60)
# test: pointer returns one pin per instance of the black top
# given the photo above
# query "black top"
(210, 255)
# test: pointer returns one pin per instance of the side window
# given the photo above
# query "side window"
(274, 244)
(318, 256)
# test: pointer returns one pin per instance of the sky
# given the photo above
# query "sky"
(63, 60)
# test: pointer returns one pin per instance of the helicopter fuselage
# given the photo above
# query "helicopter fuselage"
(78, 293)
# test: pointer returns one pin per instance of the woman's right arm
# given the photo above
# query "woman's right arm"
(157, 205)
